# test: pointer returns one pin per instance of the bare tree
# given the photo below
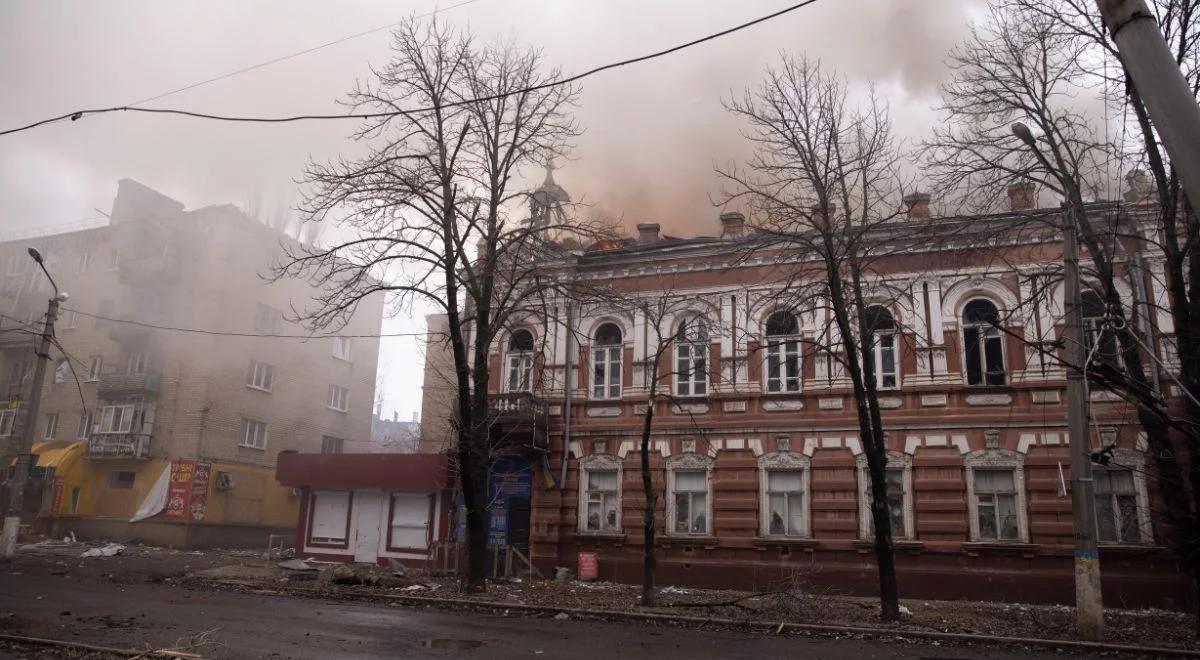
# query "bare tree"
(430, 212)
(1028, 63)
(824, 181)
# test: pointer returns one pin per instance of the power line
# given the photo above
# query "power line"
(295, 54)
(394, 113)
(219, 333)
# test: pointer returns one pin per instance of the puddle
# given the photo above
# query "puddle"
(450, 644)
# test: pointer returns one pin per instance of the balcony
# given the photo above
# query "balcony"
(158, 270)
(119, 445)
(518, 418)
(113, 386)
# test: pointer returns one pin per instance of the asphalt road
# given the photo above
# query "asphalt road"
(134, 613)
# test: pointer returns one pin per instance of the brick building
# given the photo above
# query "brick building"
(757, 460)
(126, 405)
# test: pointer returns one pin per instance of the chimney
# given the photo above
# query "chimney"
(1137, 187)
(917, 205)
(1022, 196)
(733, 224)
(395, 415)
(647, 232)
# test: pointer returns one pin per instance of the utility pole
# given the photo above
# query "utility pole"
(1089, 608)
(1160, 83)
(24, 463)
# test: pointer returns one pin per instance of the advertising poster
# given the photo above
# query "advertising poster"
(179, 492)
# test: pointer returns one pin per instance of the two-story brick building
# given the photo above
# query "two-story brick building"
(176, 363)
(757, 459)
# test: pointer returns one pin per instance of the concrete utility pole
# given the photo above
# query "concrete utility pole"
(1160, 83)
(1089, 608)
(16, 494)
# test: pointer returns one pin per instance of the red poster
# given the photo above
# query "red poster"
(56, 502)
(179, 492)
(199, 495)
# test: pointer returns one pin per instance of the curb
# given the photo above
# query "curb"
(80, 646)
(1073, 645)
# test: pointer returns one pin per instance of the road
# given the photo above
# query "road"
(38, 600)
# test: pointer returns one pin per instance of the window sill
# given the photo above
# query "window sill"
(708, 542)
(241, 446)
(258, 389)
(616, 538)
(864, 546)
(1128, 548)
(976, 548)
(803, 543)
(336, 410)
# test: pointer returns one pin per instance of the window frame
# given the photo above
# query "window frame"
(85, 425)
(338, 394)
(8, 419)
(698, 351)
(607, 360)
(95, 368)
(1094, 332)
(343, 348)
(892, 336)
(328, 441)
(1133, 461)
(983, 329)
(784, 461)
(689, 462)
(85, 260)
(600, 463)
(997, 460)
(113, 484)
(50, 427)
(389, 546)
(786, 348)
(895, 461)
(249, 424)
(257, 369)
(128, 411)
(518, 364)
(328, 541)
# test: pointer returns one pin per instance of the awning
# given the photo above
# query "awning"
(53, 454)
(415, 472)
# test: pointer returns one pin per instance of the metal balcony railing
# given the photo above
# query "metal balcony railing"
(119, 445)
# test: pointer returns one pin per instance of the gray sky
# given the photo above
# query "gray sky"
(654, 130)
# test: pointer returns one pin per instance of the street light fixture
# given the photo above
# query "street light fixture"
(1089, 610)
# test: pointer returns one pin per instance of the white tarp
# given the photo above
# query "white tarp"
(156, 499)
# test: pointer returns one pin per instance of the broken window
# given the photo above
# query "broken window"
(996, 505)
(785, 502)
(1116, 506)
(602, 514)
(520, 362)
(691, 502)
(783, 353)
(606, 362)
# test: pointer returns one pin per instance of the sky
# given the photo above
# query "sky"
(653, 131)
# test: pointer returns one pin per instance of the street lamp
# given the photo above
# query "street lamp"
(1089, 611)
(24, 463)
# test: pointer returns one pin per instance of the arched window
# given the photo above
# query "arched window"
(691, 358)
(1094, 313)
(520, 361)
(882, 326)
(782, 353)
(606, 362)
(983, 343)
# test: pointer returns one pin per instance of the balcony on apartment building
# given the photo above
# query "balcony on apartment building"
(118, 385)
(118, 445)
(519, 419)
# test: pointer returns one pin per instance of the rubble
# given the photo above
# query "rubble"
(110, 550)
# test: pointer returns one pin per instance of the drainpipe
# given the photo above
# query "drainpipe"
(562, 476)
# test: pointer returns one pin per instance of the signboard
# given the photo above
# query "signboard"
(187, 491)
(588, 568)
(511, 478)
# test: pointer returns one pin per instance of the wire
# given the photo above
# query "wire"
(199, 331)
(393, 113)
(306, 51)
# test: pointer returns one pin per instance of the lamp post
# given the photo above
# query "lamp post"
(24, 462)
(1089, 610)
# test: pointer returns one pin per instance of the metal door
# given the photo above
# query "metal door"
(368, 521)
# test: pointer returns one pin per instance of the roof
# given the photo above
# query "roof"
(351, 471)
(55, 454)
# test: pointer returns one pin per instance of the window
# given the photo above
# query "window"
(329, 520)
(138, 363)
(62, 371)
(783, 353)
(254, 434)
(898, 474)
(409, 525)
(70, 320)
(331, 445)
(1117, 506)
(51, 428)
(18, 371)
(520, 362)
(114, 259)
(85, 425)
(338, 398)
(7, 417)
(260, 376)
(984, 345)
(996, 505)
(606, 362)
(785, 502)
(1096, 336)
(602, 514)
(341, 348)
(691, 502)
(691, 358)
(266, 318)
(121, 479)
(85, 260)
(74, 500)
(94, 368)
(882, 326)
(116, 418)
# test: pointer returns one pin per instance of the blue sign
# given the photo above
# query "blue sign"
(510, 478)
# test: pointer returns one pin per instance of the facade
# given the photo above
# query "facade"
(756, 453)
(370, 508)
(393, 435)
(209, 412)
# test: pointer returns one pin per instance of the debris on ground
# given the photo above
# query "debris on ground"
(297, 565)
(110, 550)
(562, 616)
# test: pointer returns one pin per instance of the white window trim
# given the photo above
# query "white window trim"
(877, 350)
(338, 343)
(332, 400)
(894, 459)
(996, 459)
(691, 381)
(85, 260)
(784, 461)
(85, 425)
(95, 368)
(1135, 462)
(127, 412)
(523, 362)
(781, 340)
(268, 373)
(70, 320)
(246, 426)
(8, 419)
(689, 462)
(50, 428)
(618, 364)
(600, 463)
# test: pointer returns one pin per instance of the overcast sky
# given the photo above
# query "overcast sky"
(654, 130)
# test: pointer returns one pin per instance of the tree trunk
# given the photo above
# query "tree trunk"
(473, 473)
(649, 563)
